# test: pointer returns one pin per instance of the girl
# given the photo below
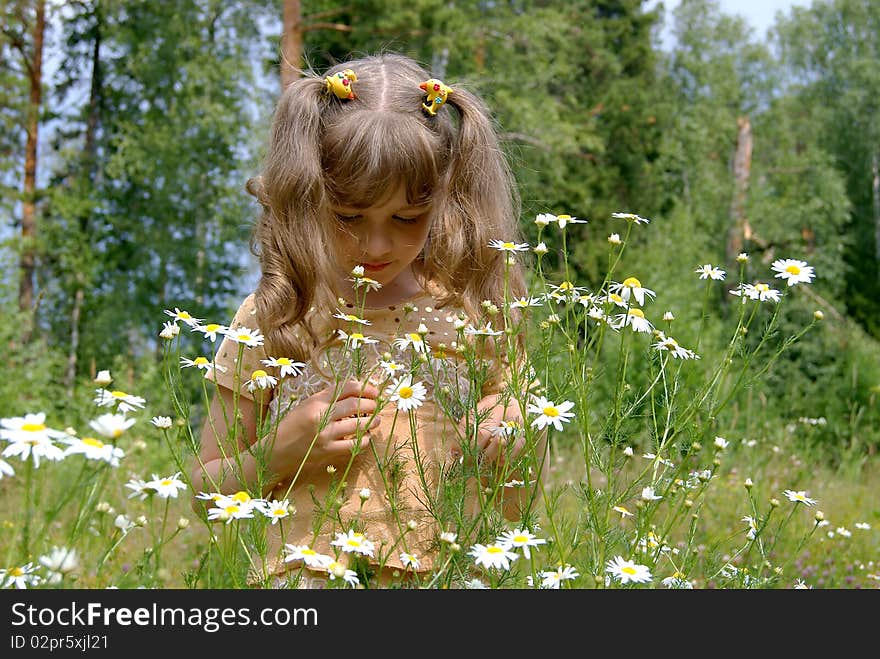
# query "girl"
(363, 380)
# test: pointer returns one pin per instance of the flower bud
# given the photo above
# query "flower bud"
(818, 315)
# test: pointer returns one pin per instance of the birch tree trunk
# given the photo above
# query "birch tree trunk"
(740, 230)
(291, 42)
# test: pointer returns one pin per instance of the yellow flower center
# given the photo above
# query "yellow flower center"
(184, 315)
(283, 361)
(353, 542)
(165, 482)
(243, 337)
(279, 512)
(615, 297)
(566, 286)
(793, 269)
(356, 336)
(118, 394)
(351, 317)
(520, 538)
(563, 217)
(241, 497)
(212, 327)
(405, 392)
(201, 361)
(91, 441)
(33, 427)
(507, 245)
(16, 572)
(636, 312)
(259, 373)
(414, 337)
(229, 510)
(309, 552)
(628, 570)
(762, 287)
(632, 282)
(117, 432)
(550, 411)
(494, 549)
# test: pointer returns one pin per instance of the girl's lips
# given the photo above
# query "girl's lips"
(375, 267)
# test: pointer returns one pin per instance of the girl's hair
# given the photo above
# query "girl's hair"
(325, 151)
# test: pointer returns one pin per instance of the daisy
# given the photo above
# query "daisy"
(111, 425)
(351, 318)
(508, 429)
(308, 556)
(184, 317)
(408, 395)
(139, 488)
(211, 330)
(169, 330)
(94, 449)
(566, 291)
(540, 248)
(6, 469)
(161, 421)
(799, 497)
(285, 366)
(353, 542)
(632, 287)
(753, 527)
(793, 271)
(125, 402)
(20, 576)
(758, 291)
(414, 339)
(563, 220)
(549, 412)
(506, 246)
(634, 318)
(492, 556)
(678, 582)
(103, 378)
(38, 447)
(623, 511)
(27, 428)
(520, 538)
(227, 510)
(354, 340)
(261, 380)
(245, 335)
(671, 346)
(276, 510)
(614, 298)
(554, 578)
(627, 571)
(523, 302)
(59, 562)
(390, 366)
(630, 217)
(202, 363)
(410, 560)
(649, 495)
(708, 271)
(338, 570)
(485, 330)
(168, 486)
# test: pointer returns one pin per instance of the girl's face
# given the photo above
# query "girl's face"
(385, 239)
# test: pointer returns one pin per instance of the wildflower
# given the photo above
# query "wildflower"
(448, 537)
(549, 412)
(169, 330)
(161, 421)
(168, 486)
(845, 532)
(354, 340)
(184, 317)
(627, 571)
(793, 271)
(540, 248)
(410, 560)
(111, 425)
(506, 246)
(475, 584)
(753, 527)
(351, 318)
(492, 556)
(414, 340)
(103, 378)
(678, 582)
(649, 495)
(742, 257)
(615, 298)
(261, 380)
(276, 510)
(628, 451)
(721, 443)
(523, 302)
(59, 562)
(708, 271)
(818, 315)
(123, 523)
(5, 470)
(408, 395)
(139, 488)
(614, 239)
(336, 570)
(624, 513)
(630, 217)
(671, 346)
(246, 336)
(543, 219)
(28, 436)
(307, 555)
(211, 330)
(125, 402)
(668, 316)
(20, 576)
(862, 526)
(758, 291)
(563, 220)
(801, 585)
(357, 271)
(505, 428)
(554, 578)
(799, 497)
(632, 287)
(227, 510)
(94, 449)
(390, 366)
(485, 330)
(202, 363)
(353, 542)
(634, 318)
(520, 538)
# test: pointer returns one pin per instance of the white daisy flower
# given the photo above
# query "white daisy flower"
(614, 298)
(511, 428)
(485, 330)
(678, 582)
(753, 527)
(139, 488)
(671, 346)
(390, 366)
(493, 556)
(161, 421)
(540, 248)
(169, 330)
(549, 412)
(260, 379)
(630, 217)
(622, 511)
(111, 425)
(506, 246)
(59, 562)
(414, 339)
(614, 239)
(758, 291)
(354, 340)
(20, 577)
(336, 570)
(245, 335)
(211, 331)
(285, 366)
(227, 510)
(28, 428)
(365, 282)
(563, 220)
(793, 271)
(103, 378)
(276, 510)
(307, 555)
(799, 497)
(554, 578)
(632, 288)
(351, 318)
(634, 318)
(7, 470)
(406, 394)
(94, 449)
(520, 538)
(184, 317)
(709, 271)
(125, 402)
(648, 494)
(202, 363)
(626, 571)
(353, 542)
(166, 487)
(543, 219)
(38, 447)
(410, 560)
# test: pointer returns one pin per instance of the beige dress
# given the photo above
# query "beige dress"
(405, 478)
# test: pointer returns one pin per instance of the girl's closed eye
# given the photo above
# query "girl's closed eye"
(406, 220)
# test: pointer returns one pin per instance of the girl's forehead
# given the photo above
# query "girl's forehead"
(381, 194)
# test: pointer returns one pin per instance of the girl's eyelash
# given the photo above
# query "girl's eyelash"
(399, 218)
(406, 220)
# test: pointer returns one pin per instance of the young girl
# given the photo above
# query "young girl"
(393, 421)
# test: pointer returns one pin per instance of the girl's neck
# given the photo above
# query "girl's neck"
(404, 287)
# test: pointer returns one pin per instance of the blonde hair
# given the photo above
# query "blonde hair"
(326, 151)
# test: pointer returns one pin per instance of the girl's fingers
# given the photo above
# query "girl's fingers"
(358, 389)
(350, 426)
(350, 407)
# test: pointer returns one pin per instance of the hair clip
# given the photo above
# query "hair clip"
(437, 93)
(340, 84)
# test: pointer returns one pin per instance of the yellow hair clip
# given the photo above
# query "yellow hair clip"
(340, 84)
(437, 94)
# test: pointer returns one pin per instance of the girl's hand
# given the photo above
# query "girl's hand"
(495, 446)
(334, 433)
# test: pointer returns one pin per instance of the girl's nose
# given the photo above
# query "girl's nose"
(376, 242)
